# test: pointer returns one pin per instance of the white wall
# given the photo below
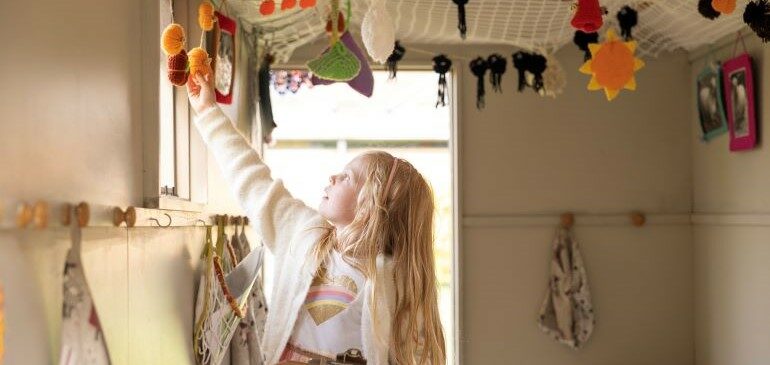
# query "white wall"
(732, 278)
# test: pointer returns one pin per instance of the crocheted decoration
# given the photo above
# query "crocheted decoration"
(723, 6)
(554, 77)
(267, 7)
(288, 4)
(172, 40)
(588, 16)
(206, 16)
(378, 32)
(442, 65)
(199, 61)
(582, 39)
(461, 25)
(177, 69)
(337, 64)
(628, 18)
(612, 66)
(479, 67)
(497, 64)
(304, 4)
(707, 10)
(364, 81)
(757, 16)
(340, 23)
(394, 58)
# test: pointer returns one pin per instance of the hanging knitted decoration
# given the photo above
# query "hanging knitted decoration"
(707, 10)
(267, 7)
(199, 61)
(177, 69)
(628, 18)
(757, 16)
(522, 61)
(723, 6)
(288, 4)
(364, 81)
(394, 58)
(583, 39)
(537, 65)
(337, 63)
(588, 16)
(173, 39)
(461, 17)
(554, 79)
(378, 31)
(497, 64)
(206, 16)
(612, 65)
(479, 67)
(441, 65)
(265, 104)
(304, 4)
(340, 23)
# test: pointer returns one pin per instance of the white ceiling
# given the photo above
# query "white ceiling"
(664, 25)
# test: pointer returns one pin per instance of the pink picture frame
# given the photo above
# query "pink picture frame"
(738, 82)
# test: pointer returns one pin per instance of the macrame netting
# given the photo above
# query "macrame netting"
(664, 25)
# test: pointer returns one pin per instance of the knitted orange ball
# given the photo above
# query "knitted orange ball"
(177, 69)
(288, 4)
(172, 40)
(199, 61)
(267, 7)
(723, 6)
(206, 15)
(304, 4)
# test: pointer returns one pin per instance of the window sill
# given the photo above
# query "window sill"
(173, 203)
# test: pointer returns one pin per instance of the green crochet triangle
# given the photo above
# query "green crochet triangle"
(337, 64)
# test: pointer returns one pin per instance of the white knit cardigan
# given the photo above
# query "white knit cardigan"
(290, 229)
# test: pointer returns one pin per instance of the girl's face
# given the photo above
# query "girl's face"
(338, 204)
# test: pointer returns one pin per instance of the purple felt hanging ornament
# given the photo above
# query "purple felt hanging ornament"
(364, 81)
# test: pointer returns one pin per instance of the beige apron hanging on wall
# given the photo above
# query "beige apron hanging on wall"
(567, 313)
(82, 340)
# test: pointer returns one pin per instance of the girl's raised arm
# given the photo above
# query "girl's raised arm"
(275, 214)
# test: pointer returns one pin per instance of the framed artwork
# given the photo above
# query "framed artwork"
(738, 81)
(224, 61)
(711, 111)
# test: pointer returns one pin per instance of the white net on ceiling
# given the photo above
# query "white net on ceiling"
(664, 25)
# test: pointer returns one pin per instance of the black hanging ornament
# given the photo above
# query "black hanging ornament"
(441, 65)
(265, 105)
(707, 10)
(521, 61)
(757, 16)
(537, 65)
(628, 18)
(582, 39)
(497, 64)
(479, 67)
(461, 17)
(394, 58)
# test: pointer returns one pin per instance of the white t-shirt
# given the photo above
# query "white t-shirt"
(329, 322)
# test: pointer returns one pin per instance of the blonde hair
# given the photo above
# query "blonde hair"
(396, 221)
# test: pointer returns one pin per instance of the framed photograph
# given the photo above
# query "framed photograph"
(224, 59)
(710, 107)
(738, 80)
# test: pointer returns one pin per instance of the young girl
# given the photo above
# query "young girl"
(358, 273)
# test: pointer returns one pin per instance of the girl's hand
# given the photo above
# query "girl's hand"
(200, 90)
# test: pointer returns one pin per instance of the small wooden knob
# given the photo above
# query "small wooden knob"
(65, 214)
(130, 217)
(567, 220)
(23, 215)
(83, 212)
(638, 219)
(40, 215)
(118, 216)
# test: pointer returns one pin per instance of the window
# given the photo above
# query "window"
(322, 128)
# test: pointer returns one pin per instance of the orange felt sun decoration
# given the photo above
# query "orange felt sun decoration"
(612, 65)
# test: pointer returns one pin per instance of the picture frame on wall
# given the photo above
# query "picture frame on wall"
(224, 58)
(738, 81)
(713, 121)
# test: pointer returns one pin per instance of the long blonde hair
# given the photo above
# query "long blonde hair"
(400, 225)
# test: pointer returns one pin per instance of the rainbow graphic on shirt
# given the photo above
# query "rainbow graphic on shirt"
(328, 297)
